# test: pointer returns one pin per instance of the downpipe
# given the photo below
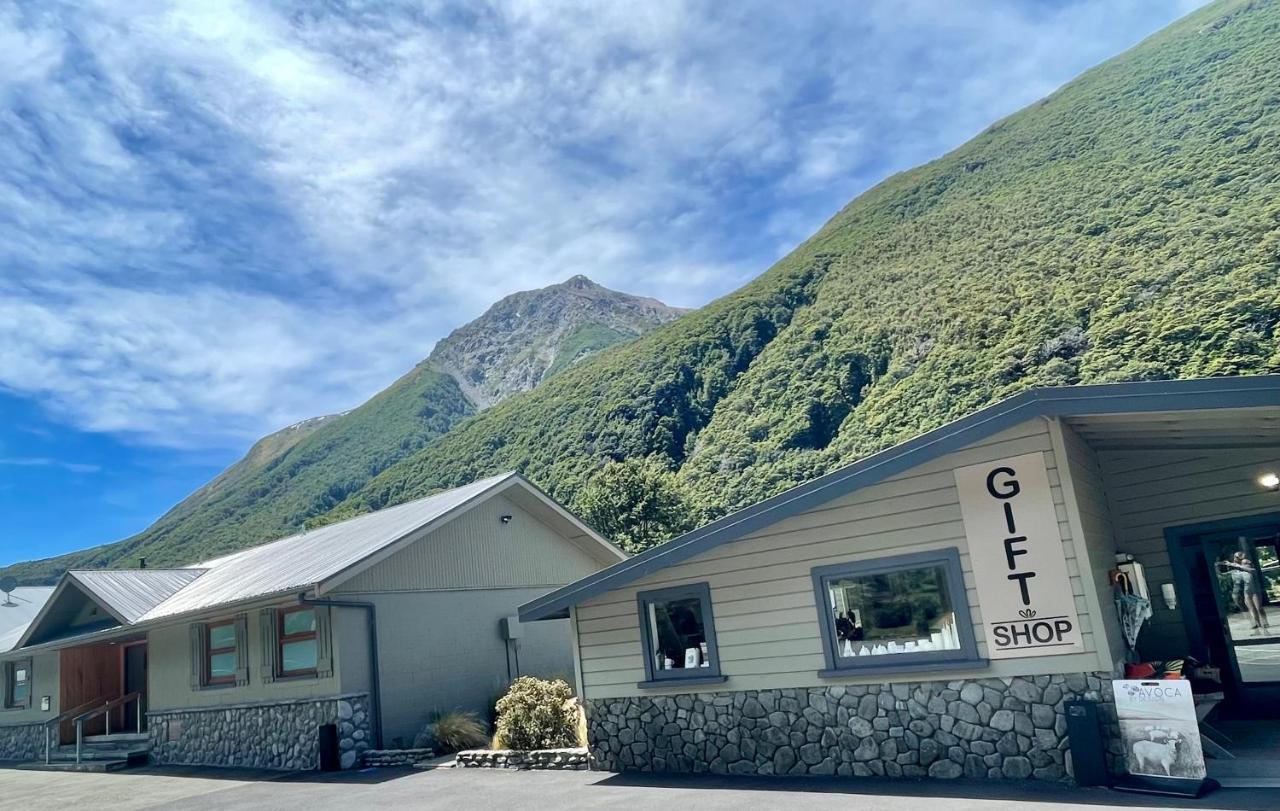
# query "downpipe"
(375, 686)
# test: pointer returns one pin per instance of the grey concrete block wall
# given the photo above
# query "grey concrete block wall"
(266, 736)
(992, 728)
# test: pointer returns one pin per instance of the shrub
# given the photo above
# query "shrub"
(537, 714)
(454, 731)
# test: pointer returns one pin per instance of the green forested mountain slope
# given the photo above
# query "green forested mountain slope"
(257, 501)
(1126, 227)
(291, 477)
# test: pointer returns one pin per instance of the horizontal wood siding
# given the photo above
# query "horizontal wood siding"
(1151, 490)
(1098, 534)
(762, 595)
(477, 550)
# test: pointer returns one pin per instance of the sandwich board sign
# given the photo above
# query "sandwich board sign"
(1019, 568)
(1159, 729)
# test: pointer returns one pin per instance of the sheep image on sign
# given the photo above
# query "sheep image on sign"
(1015, 548)
(1158, 728)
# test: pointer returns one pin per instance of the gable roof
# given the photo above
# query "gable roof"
(17, 612)
(1118, 398)
(130, 593)
(294, 564)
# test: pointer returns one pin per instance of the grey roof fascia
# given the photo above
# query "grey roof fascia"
(171, 619)
(1135, 397)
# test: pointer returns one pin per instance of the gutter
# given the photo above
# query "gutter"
(375, 682)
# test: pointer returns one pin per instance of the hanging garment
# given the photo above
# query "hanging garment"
(1133, 611)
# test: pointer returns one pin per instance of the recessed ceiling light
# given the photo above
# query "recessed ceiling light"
(1270, 481)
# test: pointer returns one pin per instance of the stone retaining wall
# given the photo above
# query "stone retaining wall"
(998, 728)
(517, 759)
(22, 742)
(262, 736)
(396, 757)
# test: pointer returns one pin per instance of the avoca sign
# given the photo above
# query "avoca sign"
(1019, 567)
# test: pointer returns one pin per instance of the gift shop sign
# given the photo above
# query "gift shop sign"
(1018, 564)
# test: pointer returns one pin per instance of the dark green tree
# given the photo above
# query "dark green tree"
(636, 504)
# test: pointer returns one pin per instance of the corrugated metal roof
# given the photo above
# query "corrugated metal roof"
(130, 593)
(18, 611)
(304, 560)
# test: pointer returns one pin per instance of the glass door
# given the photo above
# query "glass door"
(1244, 569)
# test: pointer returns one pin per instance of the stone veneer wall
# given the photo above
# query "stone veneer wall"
(572, 758)
(22, 742)
(263, 736)
(1006, 728)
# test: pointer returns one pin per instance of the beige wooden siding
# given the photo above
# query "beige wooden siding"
(169, 672)
(762, 595)
(1087, 495)
(1152, 490)
(442, 651)
(477, 550)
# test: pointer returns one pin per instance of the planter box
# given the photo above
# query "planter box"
(517, 759)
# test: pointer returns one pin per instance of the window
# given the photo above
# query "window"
(220, 653)
(895, 613)
(17, 680)
(679, 635)
(298, 642)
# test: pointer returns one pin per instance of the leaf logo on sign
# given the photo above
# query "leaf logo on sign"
(1027, 613)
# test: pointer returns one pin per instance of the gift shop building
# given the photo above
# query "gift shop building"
(935, 609)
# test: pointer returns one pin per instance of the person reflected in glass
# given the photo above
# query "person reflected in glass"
(1244, 589)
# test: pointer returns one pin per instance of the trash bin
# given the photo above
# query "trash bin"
(328, 745)
(1088, 749)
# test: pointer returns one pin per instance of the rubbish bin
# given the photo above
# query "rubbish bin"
(1088, 749)
(328, 746)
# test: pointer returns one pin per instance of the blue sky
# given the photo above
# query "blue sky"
(215, 223)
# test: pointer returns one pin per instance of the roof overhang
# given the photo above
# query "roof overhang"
(67, 584)
(1076, 401)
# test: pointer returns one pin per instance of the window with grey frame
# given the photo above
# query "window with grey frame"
(895, 613)
(678, 633)
(17, 684)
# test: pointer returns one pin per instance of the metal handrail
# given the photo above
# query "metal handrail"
(105, 708)
(63, 716)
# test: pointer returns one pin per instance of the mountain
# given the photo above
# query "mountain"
(1125, 227)
(264, 452)
(291, 477)
(527, 337)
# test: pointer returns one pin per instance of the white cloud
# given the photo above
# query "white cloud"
(215, 220)
(44, 461)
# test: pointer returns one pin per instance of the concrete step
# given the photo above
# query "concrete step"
(133, 755)
(119, 737)
(113, 765)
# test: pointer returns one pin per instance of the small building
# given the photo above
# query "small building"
(929, 610)
(362, 628)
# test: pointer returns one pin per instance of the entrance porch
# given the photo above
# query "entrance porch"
(103, 689)
(1190, 496)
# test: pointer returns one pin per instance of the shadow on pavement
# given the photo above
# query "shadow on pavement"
(1026, 791)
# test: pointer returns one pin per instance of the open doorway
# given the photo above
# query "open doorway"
(134, 678)
(1231, 571)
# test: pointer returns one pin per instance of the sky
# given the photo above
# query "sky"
(220, 219)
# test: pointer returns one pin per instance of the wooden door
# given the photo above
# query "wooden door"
(87, 673)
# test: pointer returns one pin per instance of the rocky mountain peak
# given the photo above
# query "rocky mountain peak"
(529, 336)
